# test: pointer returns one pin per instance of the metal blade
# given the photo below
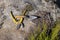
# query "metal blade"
(32, 17)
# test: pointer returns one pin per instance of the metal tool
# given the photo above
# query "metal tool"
(19, 22)
(21, 18)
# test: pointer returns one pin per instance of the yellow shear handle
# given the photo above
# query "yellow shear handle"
(19, 17)
(14, 19)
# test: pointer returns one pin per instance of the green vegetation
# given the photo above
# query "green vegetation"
(54, 34)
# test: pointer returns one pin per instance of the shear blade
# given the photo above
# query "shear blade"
(32, 17)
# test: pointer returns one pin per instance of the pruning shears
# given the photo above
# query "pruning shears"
(21, 18)
(19, 22)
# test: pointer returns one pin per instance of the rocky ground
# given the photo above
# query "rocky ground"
(46, 9)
